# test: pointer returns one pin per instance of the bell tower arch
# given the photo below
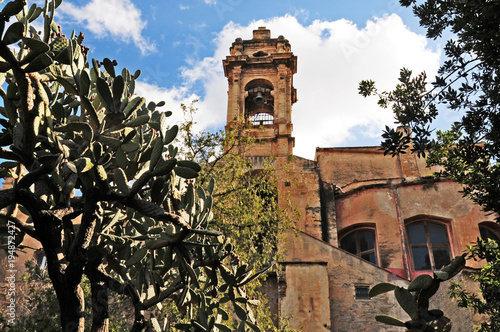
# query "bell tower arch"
(260, 78)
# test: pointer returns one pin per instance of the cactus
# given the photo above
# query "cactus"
(414, 300)
(82, 149)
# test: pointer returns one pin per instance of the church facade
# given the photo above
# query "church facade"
(365, 218)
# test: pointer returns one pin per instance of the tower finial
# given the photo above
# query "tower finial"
(262, 33)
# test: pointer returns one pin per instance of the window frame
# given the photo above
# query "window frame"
(429, 245)
(354, 229)
(491, 227)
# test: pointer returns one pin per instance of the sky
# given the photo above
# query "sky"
(179, 47)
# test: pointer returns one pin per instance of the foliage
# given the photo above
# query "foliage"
(489, 280)
(42, 308)
(414, 300)
(245, 205)
(95, 171)
(467, 82)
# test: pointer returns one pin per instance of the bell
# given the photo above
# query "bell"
(259, 98)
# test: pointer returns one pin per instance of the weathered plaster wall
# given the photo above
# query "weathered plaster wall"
(306, 296)
(298, 181)
(344, 166)
(344, 271)
(375, 206)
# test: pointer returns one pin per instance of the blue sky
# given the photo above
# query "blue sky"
(179, 46)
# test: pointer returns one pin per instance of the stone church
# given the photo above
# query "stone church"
(365, 218)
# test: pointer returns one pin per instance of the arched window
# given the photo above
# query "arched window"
(259, 102)
(361, 242)
(429, 244)
(489, 230)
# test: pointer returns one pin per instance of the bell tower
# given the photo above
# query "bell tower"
(260, 77)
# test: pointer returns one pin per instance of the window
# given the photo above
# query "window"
(259, 102)
(361, 242)
(361, 292)
(429, 245)
(261, 119)
(488, 232)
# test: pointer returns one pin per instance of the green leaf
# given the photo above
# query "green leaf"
(64, 56)
(109, 141)
(168, 258)
(455, 266)
(84, 127)
(84, 165)
(389, 320)
(39, 63)
(129, 136)
(14, 33)
(130, 147)
(185, 172)
(421, 282)
(139, 226)
(84, 83)
(137, 256)
(183, 256)
(4, 66)
(139, 121)
(156, 154)
(108, 65)
(12, 8)
(211, 186)
(172, 151)
(164, 167)
(240, 312)
(89, 108)
(105, 93)
(381, 288)
(35, 45)
(36, 13)
(121, 159)
(190, 164)
(118, 88)
(67, 85)
(406, 301)
(441, 275)
(170, 134)
(133, 106)
(121, 181)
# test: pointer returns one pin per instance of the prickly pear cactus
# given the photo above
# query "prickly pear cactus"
(414, 300)
(96, 172)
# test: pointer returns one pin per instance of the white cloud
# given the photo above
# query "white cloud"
(333, 57)
(183, 7)
(172, 97)
(120, 19)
